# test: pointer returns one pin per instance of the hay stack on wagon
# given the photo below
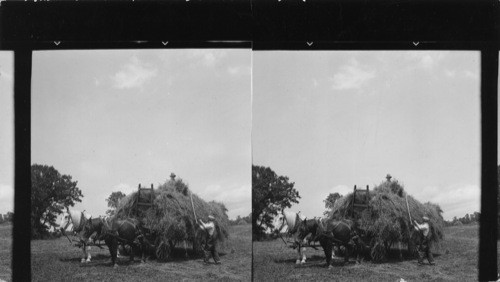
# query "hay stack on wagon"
(171, 216)
(386, 220)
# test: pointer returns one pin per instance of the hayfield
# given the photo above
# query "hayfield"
(5, 251)
(57, 260)
(456, 261)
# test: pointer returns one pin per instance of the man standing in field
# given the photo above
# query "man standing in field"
(424, 241)
(211, 246)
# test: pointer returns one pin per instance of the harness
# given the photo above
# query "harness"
(114, 233)
(296, 225)
(82, 220)
(330, 235)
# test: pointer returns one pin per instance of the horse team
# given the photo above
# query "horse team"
(113, 231)
(328, 232)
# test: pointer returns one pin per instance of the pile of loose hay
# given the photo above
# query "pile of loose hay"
(171, 215)
(386, 220)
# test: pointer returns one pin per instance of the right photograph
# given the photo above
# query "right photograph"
(366, 165)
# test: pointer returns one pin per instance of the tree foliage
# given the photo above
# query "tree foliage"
(8, 217)
(330, 201)
(113, 201)
(471, 218)
(270, 194)
(51, 192)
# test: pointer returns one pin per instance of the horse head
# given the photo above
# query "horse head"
(302, 229)
(309, 226)
(91, 226)
(88, 230)
(63, 221)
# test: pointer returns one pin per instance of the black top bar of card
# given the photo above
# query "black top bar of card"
(124, 24)
(350, 23)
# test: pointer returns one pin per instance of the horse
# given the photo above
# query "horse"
(328, 233)
(292, 220)
(115, 231)
(73, 221)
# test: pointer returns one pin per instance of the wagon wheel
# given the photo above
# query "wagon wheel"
(124, 250)
(162, 249)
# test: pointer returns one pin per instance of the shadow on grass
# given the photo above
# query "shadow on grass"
(78, 259)
(393, 256)
(293, 260)
(322, 264)
(177, 254)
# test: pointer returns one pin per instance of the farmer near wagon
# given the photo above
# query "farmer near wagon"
(424, 240)
(211, 246)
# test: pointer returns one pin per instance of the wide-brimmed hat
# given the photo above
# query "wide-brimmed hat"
(425, 218)
(211, 217)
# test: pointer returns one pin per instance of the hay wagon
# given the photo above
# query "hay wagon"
(168, 216)
(142, 204)
(382, 217)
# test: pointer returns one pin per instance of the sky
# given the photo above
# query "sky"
(7, 132)
(330, 120)
(115, 118)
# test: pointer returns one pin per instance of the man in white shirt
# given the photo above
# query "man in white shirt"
(424, 229)
(211, 246)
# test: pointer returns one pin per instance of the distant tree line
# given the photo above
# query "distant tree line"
(8, 217)
(467, 219)
(241, 220)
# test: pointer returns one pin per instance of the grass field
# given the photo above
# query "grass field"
(457, 261)
(57, 260)
(5, 251)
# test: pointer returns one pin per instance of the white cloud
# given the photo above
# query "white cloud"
(6, 76)
(427, 62)
(450, 73)
(208, 58)
(352, 76)
(227, 194)
(425, 59)
(133, 74)
(341, 189)
(6, 198)
(315, 82)
(124, 188)
(239, 70)
(472, 75)
(455, 200)
(237, 199)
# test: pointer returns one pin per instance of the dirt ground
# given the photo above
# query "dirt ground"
(57, 260)
(456, 261)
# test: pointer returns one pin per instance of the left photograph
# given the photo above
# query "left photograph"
(6, 162)
(140, 165)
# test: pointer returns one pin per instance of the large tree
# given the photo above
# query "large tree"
(270, 194)
(113, 201)
(51, 192)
